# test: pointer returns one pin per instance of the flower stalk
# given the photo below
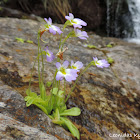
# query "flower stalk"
(77, 80)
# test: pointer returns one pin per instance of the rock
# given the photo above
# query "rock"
(8, 12)
(91, 11)
(109, 98)
(13, 110)
(124, 92)
(13, 129)
(106, 17)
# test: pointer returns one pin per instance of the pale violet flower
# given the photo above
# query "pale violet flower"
(77, 66)
(101, 63)
(81, 34)
(76, 22)
(49, 55)
(52, 28)
(63, 72)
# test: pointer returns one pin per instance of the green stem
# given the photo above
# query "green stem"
(61, 36)
(54, 80)
(64, 87)
(32, 73)
(42, 61)
(58, 59)
(64, 41)
(32, 70)
(38, 57)
(71, 34)
(41, 75)
(58, 85)
(78, 80)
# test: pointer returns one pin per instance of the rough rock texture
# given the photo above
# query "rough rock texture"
(108, 98)
(12, 129)
(13, 110)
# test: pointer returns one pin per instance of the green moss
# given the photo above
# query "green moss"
(30, 41)
(110, 60)
(109, 46)
(91, 46)
(20, 40)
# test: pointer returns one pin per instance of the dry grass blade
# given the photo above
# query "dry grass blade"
(59, 7)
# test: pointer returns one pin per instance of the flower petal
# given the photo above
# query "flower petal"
(79, 64)
(71, 74)
(83, 38)
(58, 30)
(101, 63)
(52, 31)
(65, 64)
(72, 63)
(70, 78)
(59, 76)
(77, 26)
(81, 34)
(105, 63)
(50, 58)
(50, 20)
(80, 22)
(49, 55)
(76, 66)
(70, 17)
(76, 22)
(46, 20)
(95, 58)
(58, 65)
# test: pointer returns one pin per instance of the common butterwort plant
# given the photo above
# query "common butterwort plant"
(54, 103)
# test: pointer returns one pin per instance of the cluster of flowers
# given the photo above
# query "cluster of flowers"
(64, 70)
(76, 22)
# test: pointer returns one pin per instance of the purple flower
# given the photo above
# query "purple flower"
(76, 22)
(63, 72)
(52, 29)
(101, 63)
(77, 66)
(81, 34)
(49, 55)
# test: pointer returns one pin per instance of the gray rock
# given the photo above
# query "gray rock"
(13, 106)
(11, 129)
(109, 98)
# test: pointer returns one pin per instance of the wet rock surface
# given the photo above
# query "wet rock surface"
(108, 98)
